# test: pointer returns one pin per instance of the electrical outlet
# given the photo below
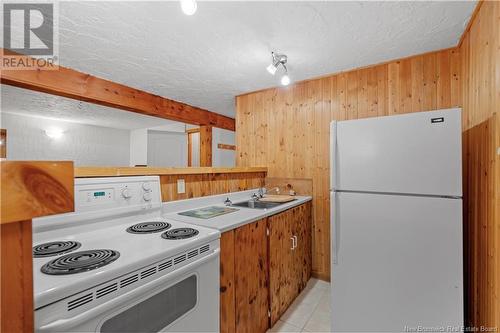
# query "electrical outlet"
(181, 186)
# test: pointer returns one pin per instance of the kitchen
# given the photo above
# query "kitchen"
(208, 166)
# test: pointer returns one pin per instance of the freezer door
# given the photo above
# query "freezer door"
(399, 263)
(413, 153)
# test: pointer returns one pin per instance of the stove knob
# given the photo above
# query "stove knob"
(126, 193)
(147, 196)
(146, 187)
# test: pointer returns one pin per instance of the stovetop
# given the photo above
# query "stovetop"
(120, 250)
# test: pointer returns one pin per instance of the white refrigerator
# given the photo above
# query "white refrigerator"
(396, 222)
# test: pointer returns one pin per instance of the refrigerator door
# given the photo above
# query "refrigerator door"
(416, 153)
(399, 263)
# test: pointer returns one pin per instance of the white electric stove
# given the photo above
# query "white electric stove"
(115, 265)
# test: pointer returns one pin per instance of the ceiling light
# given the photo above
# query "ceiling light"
(285, 80)
(189, 6)
(54, 133)
(277, 59)
(272, 69)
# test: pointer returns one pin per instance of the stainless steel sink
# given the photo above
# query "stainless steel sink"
(258, 204)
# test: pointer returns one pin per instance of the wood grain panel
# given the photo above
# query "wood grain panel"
(479, 52)
(281, 289)
(227, 295)
(205, 146)
(293, 122)
(251, 278)
(303, 217)
(17, 277)
(301, 186)
(209, 184)
(31, 189)
(70, 83)
(482, 223)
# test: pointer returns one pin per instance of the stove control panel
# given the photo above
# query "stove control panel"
(139, 193)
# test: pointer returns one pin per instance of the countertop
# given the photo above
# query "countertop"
(228, 221)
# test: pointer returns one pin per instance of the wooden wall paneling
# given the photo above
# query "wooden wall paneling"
(209, 184)
(70, 83)
(205, 146)
(482, 223)
(302, 186)
(17, 277)
(227, 295)
(251, 278)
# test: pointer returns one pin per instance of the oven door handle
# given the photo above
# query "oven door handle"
(63, 325)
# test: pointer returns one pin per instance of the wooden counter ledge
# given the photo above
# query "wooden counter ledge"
(145, 171)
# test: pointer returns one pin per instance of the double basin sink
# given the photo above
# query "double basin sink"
(256, 204)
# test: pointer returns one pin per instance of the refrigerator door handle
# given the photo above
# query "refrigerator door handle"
(335, 239)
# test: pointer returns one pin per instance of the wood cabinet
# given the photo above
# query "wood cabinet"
(244, 300)
(264, 266)
(290, 257)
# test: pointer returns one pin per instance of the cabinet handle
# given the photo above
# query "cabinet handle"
(296, 241)
(293, 243)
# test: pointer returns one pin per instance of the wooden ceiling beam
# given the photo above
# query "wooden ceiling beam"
(70, 83)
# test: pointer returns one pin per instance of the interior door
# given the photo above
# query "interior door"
(378, 154)
(399, 262)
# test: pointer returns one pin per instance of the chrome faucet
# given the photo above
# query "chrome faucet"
(228, 202)
(263, 190)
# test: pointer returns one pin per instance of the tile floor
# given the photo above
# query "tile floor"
(310, 312)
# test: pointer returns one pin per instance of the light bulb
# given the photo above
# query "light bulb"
(285, 80)
(54, 133)
(271, 69)
(189, 6)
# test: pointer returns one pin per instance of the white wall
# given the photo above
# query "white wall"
(195, 149)
(139, 147)
(84, 144)
(223, 157)
(167, 149)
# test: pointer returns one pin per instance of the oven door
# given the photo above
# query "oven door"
(185, 300)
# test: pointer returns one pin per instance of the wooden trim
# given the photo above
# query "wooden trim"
(190, 149)
(471, 21)
(225, 146)
(31, 189)
(144, 171)
(70, 83)
(205, 146)
(3, 143)
(193, 130)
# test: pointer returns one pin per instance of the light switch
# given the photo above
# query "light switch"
(181, 186)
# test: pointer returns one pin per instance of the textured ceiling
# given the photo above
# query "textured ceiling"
(32, 103)
(223, 50)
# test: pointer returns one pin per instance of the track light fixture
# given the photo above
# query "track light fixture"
(277, 60)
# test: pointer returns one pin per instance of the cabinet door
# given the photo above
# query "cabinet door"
(281, 264)
(227, 297)
(251, 277)
(303, 252)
